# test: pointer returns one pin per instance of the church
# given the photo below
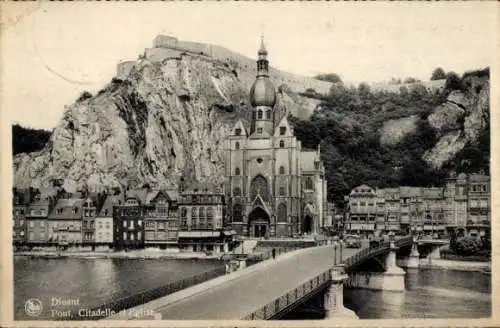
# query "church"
(273, 187)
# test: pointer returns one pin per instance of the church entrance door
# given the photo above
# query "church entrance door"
(258, 222)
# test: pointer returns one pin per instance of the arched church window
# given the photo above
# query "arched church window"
(237, 171)
(282, 144)
(282, 191)
(309, 184)
(259, 114)
(282, 170)
(237, 145)
(237, 213)
(282, 130)
(237, 131)
(268, 114)
(237, 191)
(282, 213)
(259, 186)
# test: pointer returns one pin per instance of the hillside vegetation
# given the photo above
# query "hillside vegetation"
(348, 123)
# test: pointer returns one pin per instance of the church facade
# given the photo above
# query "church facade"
(273, 187)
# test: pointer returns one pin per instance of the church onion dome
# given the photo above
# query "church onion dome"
(262, 93)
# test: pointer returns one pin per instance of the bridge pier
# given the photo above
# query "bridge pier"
(414, 259)
(334, 296)
(392, 279)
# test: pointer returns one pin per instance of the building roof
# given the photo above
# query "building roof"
(410, 191)
(433, 193)
(307, 159)
(109, 203)
(139, 194)
(479, 178)
(67, 209)
(363, 190)
(203, 188)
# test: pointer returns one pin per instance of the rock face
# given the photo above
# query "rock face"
(161, 118)
(393, 131)
(460, 120)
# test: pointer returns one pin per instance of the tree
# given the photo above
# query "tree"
(438, 74)
(331, 77)
(84, 96)
(453, 81)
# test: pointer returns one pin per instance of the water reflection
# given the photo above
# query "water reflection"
(92, 282)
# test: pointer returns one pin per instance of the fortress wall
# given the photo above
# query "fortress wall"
(123, 69)
(160, 54)
(242, 64)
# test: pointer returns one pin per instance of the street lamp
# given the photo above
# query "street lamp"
(335, 253)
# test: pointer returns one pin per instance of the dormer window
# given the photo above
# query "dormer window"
(259, 114)
(268, 114)
(259, 130)
(282, 130)
(282, 144)
(237, 145)
(237, 131)
(237, 171)
(282, 170)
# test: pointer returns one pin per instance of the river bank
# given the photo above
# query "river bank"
(135, 254)
(443, 264)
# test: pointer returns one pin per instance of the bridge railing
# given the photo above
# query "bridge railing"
(151, 294)
(294, 296)
(375, 250)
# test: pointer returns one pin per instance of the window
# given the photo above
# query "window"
(132, 236)
(259, 186)
(237, 132)
(32, 224)
(21, 223)
(42, 235)
(259, 130)
(210, 213)
(32, 235)
(42, 224)
(124, 223)
(139, 223)
(282, 170)
(282, 144)
(237, 145)
(139, 235)
(259, 114)
(282, 191)
(259, 160)
(131, 224)
(237, 191)
(309, 184)
(184, 212)
(106, 211)
(22, 233)
(237, 171)
(282, 130)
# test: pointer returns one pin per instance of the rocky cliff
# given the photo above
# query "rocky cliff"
(161, 118)
(460, 120)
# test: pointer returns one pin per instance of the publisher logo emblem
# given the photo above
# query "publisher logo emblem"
(33, 307)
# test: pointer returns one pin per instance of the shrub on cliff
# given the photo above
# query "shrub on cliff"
(84, 96)
(26, 140)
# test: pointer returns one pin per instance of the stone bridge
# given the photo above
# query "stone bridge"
(274, 288)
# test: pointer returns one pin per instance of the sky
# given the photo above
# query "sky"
(51, 52)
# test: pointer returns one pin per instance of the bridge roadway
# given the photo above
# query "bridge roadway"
(235, 298)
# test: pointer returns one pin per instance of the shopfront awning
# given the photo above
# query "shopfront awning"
(199, 234)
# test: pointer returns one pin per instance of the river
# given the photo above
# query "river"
(92, 282)
(430, 293)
